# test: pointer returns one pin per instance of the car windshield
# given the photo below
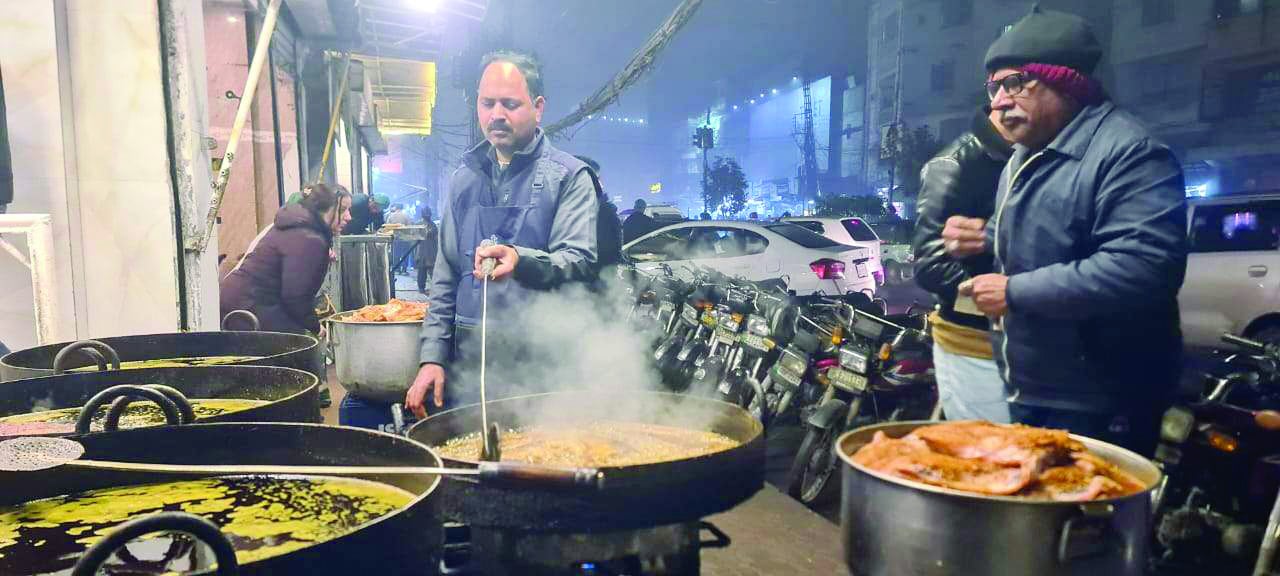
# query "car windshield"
(801, 236)
(859, 230)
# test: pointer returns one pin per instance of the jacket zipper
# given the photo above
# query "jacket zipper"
(1004, 342)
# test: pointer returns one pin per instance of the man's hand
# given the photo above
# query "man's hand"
(964, 237)
(430, 378)
(988, 293)
(506, 255)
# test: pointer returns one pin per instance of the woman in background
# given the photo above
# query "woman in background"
(285, 266)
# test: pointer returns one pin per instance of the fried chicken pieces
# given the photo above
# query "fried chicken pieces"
(1001, 460)
(394, 311)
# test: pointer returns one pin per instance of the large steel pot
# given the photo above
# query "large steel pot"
(291, 395)
(270, 348)
(401, 542)
(896, 527)
(633, 497)
(375, 360)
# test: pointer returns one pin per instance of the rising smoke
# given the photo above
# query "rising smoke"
(579, 342)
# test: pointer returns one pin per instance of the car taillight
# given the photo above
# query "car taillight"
(828, 269)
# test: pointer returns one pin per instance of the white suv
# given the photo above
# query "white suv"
(1233, 270)
(853, 232)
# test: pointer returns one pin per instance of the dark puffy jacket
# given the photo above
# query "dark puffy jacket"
(279, 277)
(960, 181)
(1091, 231)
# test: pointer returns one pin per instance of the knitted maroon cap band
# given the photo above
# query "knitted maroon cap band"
(1083, 89)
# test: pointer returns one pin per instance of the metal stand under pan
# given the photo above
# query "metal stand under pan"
(672, 550)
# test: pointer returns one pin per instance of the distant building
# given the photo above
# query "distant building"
(1205, 76)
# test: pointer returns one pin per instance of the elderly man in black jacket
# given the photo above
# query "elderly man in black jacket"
(961, 180)
(1089, 239)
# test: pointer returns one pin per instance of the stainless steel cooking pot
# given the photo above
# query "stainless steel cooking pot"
(896, 527)
(375, 360)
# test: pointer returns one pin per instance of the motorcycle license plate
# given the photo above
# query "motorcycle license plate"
(757, 342)
(689, 314)
(861, 267)
(726, 335)
(846, 379)
(666, 307)
(787, 377)
(730, 324)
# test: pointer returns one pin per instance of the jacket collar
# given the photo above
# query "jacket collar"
(1074, 139)
(482, 156)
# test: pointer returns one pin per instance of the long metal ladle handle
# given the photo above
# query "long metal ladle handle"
(506, 473)
(489, 443)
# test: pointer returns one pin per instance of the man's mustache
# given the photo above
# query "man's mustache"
(499, 126)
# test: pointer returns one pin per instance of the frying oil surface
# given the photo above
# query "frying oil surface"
(138, 414)
(262, 516)
(595, 444)
(175, 362)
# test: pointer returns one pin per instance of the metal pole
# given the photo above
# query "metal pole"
(333, 116)
(897, 108)
(242, 115)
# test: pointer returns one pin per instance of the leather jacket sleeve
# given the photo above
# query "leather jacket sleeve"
(939, 199)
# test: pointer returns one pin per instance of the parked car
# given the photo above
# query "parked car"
(1233, 270)
(808, 263)
(663, 214)
(887, 262)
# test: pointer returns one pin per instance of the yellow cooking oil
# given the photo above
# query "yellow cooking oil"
(174, 362)
(137, 414)
(262, 516)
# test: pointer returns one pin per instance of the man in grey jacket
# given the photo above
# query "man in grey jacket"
(1089, 237)
(536, 202)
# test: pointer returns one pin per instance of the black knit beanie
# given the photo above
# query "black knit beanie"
(1047, 37)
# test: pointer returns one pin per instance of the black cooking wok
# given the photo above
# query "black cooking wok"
(268, 348)
(291, 395)
(401, 542)
(633, 497)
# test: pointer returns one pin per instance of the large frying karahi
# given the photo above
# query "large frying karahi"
(403, 540)
(634, 497)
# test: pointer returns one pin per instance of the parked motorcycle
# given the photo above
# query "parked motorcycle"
(1221, 459)
(882, 372)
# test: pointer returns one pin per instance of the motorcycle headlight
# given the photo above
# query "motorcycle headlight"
(853, 359)
(793, 362)
(758, 325)
(1176, 425)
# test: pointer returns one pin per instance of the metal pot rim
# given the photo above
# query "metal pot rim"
(758, 429)
(341, 318)
(311, 345)
(1140, 467)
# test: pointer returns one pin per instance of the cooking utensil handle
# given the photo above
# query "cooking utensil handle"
(172, 414)
(530, 475)
(186, 413)
(60, 361)
(488, 264)
(1087, 534)
(254, 323)
(190, 524)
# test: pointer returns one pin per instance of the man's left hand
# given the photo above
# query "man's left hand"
(506, 256)
(988, 293)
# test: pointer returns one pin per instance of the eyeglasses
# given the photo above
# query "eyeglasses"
(1012, 84)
